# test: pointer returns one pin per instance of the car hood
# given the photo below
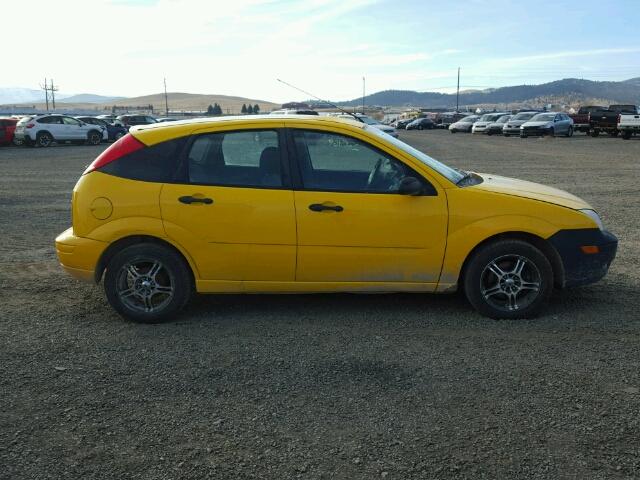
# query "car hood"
(466, 124)
(481, 124)
(535, 191)
(536, 124)
(516, 123)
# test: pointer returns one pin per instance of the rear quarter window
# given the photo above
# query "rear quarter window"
(157, 163)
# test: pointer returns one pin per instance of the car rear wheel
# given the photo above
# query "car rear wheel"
(626, 135)
(147, 283)
(44, 139)
(94, 138)
(508, 279)
(595, 133)
(613, 133)
(570, 132)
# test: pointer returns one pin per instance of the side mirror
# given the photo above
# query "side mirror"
(410, 186)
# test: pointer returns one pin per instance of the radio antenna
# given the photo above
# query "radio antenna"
(321, 100)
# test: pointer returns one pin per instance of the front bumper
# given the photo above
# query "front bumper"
(584, 268)
(79, 256)
(535, 131)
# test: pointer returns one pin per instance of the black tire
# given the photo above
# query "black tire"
(626, 134)
(44, 139)
(552, 133)
(499, 301)
(18, 142)
(94, 137)
(420, 127)
(595, 133)
(453, 131)
(613, 133)
(153, 294)
(570, 132)
(489, 132)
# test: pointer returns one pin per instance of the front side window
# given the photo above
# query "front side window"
(244, 158)
(332, 162)
(50, 120)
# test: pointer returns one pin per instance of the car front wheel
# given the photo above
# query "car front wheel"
(147, 283)
(508, 279)
(94, 138)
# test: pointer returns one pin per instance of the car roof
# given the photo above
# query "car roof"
(158, 132)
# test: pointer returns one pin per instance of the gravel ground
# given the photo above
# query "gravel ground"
(325, 386)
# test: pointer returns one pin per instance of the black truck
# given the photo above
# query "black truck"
(606, 120)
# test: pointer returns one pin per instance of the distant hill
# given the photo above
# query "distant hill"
(568, 90)
(90, 98)
(194, 101)
(20, 95)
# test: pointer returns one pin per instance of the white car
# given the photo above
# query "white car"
(464, 124)
(43, 130)
(373, 122)
(483, 122)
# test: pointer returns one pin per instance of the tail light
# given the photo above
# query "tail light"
(118, 149)
(30, 125)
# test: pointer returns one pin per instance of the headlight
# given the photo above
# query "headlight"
(593, 216)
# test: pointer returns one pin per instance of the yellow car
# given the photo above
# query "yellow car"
(301, 204)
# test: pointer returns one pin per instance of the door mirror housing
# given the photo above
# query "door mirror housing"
(410, 186)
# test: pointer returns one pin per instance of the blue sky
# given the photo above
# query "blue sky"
(240, 47)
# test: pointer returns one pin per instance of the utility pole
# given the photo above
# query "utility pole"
(45, 87)
(458, 91)
(363, 84)
(53, 95)
(166, 100)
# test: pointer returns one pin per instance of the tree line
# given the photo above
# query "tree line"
(216, 109)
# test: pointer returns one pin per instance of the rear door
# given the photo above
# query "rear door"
(73, 129)
(354, 225)
(232, 207)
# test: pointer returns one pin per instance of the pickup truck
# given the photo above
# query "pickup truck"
(607, 120)
(581, 119)
(629, 124)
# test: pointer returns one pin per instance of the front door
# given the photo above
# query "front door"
(353, 225)
(233, 210)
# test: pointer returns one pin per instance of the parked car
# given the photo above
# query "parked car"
(389, 130)
(629, 124)
(547, 124)
(496, 127)
(581, 119)
(464, 125)
(112, 132)
(166, 119)
(43, 130)
(607, 120)
(129, 121)
(481, 125)
(209, 206)
(401, 124)
(512, 127)
(421, 124)
(7, 129)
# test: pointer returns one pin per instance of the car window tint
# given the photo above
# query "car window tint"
(50, 120)
(157, 163)
(248, 158)
(336, 162)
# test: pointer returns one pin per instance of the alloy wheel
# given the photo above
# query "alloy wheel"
(510, 282)
(145, 285)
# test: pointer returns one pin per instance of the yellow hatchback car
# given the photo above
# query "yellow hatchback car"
(302, 204)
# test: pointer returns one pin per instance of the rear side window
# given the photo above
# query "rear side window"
(244, 159)
(150, 164)
(50, 120)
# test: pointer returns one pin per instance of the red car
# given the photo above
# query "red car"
(7, 127)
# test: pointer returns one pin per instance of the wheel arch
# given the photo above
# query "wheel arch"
(40, 132)
(540, 243)
(125, 242)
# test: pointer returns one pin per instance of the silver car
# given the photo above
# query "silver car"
(481, 125)
(496, 127)
(464, 124)
(512, 127)
(548, 123)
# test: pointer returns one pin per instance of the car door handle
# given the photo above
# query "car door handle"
(188, 199)
(319, 207)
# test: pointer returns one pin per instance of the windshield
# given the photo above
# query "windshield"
(544, 117)
(524, 116)
(470, 118)
(451, 174)
(503, 119)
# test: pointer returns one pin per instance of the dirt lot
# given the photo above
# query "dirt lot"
(328, 386)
